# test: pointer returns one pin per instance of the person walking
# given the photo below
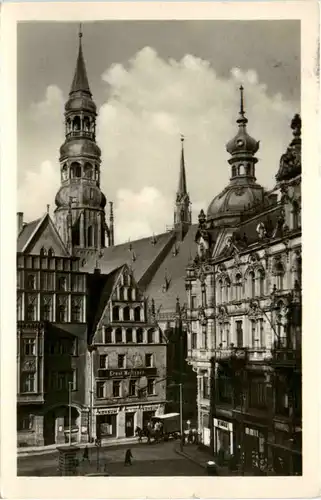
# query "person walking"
(128, 457)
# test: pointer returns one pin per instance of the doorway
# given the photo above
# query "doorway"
(129, 423)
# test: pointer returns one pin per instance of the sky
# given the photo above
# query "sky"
(152, 81)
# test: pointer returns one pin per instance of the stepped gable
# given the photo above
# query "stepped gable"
(139, 255)
(173, 269)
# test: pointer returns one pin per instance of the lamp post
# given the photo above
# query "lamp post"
(69, 404)
(181, 413)
(91, 350)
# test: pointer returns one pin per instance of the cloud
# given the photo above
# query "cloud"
(151, 101)
(37, 190)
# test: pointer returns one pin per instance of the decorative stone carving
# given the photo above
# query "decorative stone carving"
(261, 231)
(29, 365)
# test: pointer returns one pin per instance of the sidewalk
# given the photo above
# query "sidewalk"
(43, 450)
(194, 453)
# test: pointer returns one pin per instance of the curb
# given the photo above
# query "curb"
(47, 451)
(179, 452)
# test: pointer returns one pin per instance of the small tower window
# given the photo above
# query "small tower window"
(241, 170)
(75, 169)
(90, 236)
(76, 124)
(88, 171)
(86, 124)
(64, 172)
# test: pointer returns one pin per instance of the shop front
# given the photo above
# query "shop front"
(223, 439)
(106, 423)
(254, 450)
(206, 432)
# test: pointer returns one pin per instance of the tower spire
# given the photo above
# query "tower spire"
(80, 81)
(242, 120)
(182, 175)
(182, 214)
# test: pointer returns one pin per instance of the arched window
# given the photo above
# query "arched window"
(75, 168)
(241, 170)
(252, 284)
(151, 336)
(295, 215)
(90, 236)
(220, 290)
(227, 289)
(126, 313)
(64, 172)
(238, 287)
(121, 293)
(43, 252)
(51, 253)
(279, 272)
(88, 171)
(115, 313)
(62, 316)
(68, 125)
(96, 173)
(261, 277)
(129, 294)
(86, 124)
(76, 124)
(137, 313)
(108, 335)
(129, 335)
(118, 335)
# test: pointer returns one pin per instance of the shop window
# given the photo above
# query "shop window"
(132, 388)
(115, 313)
(29, 347)
(27, 382)
(121, 361)
(116, 389)
(150, 386)
(119, 335)
(139, 335)
(100, 389)
(108, 337)
(137, 313)
(126, 313)
(148, 360)
(129, 335)
(103, 361)
(151, 336)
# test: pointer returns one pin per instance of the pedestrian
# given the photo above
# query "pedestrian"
(86, 455)
(128, 457)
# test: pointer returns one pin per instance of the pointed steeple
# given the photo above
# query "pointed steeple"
(182, 191)
(80, 81)
(182, 214)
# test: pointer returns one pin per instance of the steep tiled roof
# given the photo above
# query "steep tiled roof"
(26, 233)
(140, 255)
(174, 268)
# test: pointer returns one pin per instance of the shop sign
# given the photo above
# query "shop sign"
(123, 373)
(150, 408)
(251, 432)
(107, 411)
(131, 408)
(221, 424)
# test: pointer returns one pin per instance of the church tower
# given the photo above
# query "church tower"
(80, 204)
(182, 214)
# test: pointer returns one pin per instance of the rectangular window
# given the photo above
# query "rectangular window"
(193, 302)
(194, 340)
(206, 387)
(76, 310)
(19, 308)
(116, 388)
(121, 360)
(150, 386)
(148, 360)
(261, 333)
(61, 283)
(239, 334)
(100, 389)
(25, 422)
(28, 382)
(29, 347)
(253, 333)
(258, 394)
(119, 335)
(77, 283)
(132, 387)
(227, 333)
(47, 281)
(19, 280)
(103, 361)
(74, 380)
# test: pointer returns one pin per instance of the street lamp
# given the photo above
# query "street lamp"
(69, 404)
(91, 350)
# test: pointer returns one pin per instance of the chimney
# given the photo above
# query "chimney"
(19, 221)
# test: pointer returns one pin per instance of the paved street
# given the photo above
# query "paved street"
(148, 460)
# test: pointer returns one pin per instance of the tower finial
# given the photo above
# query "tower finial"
(80, 31)
(242, 120)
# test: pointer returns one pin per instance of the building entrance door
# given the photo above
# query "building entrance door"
(129, 422)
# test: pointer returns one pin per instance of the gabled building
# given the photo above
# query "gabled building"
(244, 313)
(128, 359)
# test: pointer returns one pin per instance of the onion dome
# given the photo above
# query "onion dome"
(80, 102)
(290, 162)
(242, 142)
(74, 148)
(242, 193)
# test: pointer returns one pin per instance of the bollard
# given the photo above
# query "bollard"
(211, 468)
